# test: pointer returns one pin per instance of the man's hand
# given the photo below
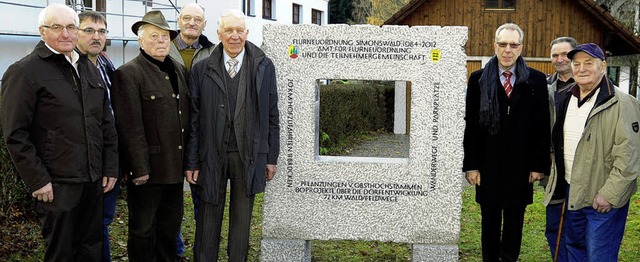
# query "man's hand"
(473, 177)
(108, 183)
(138, 181)
(535, 176)
(192, 176)
(601, 205)
(271, 171)
(44, 194)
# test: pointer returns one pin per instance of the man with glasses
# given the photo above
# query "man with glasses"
(92, 36)
(506, 142)
(59, 131)
(188, 48)
(235, 135)
(151, 106)
(191, 45)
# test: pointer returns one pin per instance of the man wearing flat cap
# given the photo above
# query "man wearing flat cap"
(597, 142)
(151, 108)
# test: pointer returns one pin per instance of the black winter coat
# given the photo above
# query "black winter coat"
(57, 125)
(522, 145)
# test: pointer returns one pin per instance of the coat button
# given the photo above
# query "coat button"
(153, 97)
(166, 77)
(180, 147)
(173, 95)
(179, 112)
(182, 130)
(222, 106)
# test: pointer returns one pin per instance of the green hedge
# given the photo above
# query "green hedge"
(348, 109)
(14, 194)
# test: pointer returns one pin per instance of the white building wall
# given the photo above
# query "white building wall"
(283, 10)
(18, 39)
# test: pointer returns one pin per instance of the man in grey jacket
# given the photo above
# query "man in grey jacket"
(597, 142)
(191, 45)
(188, 48)
(560, 48)
(235, 135)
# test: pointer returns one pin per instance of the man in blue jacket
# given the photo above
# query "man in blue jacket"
(235, 135)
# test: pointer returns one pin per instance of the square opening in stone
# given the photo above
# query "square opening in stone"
(362, 118)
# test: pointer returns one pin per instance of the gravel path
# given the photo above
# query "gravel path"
(385, 145)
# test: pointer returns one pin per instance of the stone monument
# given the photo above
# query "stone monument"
(413, 200)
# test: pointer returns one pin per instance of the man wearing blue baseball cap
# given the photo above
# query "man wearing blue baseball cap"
(597, 144)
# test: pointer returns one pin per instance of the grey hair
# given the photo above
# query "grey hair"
(231, 13)
(510, 26)
(42, 18)
(565, 39)
(141, 30)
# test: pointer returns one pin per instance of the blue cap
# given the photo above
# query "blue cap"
(591, 49)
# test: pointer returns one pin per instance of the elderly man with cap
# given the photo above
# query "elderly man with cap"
(151, 108)
(597, 142)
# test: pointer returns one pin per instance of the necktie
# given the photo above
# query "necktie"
(232, 67)
(507, 83)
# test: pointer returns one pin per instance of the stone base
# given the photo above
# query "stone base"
(439, 253)
(279, 250)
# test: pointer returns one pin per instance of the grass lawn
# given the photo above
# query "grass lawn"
(534, 245)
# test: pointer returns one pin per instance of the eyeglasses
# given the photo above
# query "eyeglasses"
(196, 19)
(92, 31)
(512, 45)
(156, 37)
(58, 28)
(234, 31)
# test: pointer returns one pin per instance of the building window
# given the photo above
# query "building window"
(316, 17)
(80, 4)
(250, 8)
(296, 14)
(267, 9)
(500, 4)
(613, 72)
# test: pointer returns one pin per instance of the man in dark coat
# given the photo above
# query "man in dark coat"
(235, 135)
(151, 106)
(59, 131)
(506, 142)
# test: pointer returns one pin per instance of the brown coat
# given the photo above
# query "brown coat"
(151, 120)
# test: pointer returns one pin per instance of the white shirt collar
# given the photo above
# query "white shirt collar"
(73, 59)
(226, 58)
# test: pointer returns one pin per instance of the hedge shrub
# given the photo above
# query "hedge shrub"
(348, 109)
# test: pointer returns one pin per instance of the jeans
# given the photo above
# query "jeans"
(593, 236)
(108, 212)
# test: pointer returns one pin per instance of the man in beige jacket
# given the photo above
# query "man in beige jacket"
(597, 143)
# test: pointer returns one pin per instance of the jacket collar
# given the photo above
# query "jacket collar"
(607, 90)
(253, 56)
(202, 40)
(552, 79)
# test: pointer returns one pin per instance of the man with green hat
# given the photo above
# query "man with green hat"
(151, 106)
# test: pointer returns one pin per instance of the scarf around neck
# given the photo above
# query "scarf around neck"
(489, 116)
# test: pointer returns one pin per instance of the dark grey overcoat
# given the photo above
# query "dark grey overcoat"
(259, 144)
